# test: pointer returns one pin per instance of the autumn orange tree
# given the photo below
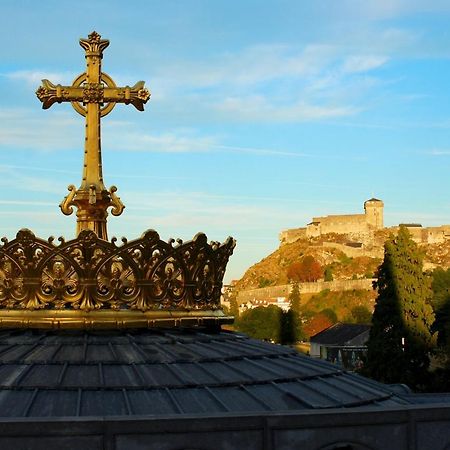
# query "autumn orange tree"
(308, 269)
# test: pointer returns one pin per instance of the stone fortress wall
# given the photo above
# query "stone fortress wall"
(360, 228)
(355, 225)
(272, 293)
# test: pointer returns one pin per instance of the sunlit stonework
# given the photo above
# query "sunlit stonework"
(89, 281)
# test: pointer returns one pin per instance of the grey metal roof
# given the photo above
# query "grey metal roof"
(166, 372)
(340, 333)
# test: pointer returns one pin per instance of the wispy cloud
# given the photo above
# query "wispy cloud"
(167, 143)
(438, 152)
(34, 77)
(27, 128)
(266, 82)
(363, 63)
(258, 108)
(263, 151)
(281, 83)
(25, 203)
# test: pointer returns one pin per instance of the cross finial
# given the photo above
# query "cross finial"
(94, 44)
(93, 94)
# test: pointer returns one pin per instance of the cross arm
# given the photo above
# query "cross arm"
(49, 93)
(137, 95)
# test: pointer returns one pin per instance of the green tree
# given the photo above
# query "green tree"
(234, 307)
(290, 332)
(262, 323)
(294, 298)
(441, 304)
(270, 323)
(328, 274)
(400, 338)
(293, 317)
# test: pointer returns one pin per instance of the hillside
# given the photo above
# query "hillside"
(336, 251)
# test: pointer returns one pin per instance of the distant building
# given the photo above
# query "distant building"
(281, 302)
(358, 224)
(361, 227)
(342, 343)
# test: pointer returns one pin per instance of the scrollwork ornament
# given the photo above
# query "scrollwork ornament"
(88, 273)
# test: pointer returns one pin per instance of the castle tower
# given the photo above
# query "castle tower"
(373, 209)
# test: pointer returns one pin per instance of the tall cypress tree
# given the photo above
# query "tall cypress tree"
(294, 298)
(400, 337)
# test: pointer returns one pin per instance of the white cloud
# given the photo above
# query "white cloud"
(262, 82)
(363, 63)
(258, 108)
(167, 143)
(27, 128)
(438, 152)
(34, 77)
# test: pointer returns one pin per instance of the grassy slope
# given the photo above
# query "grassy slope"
(271, 271)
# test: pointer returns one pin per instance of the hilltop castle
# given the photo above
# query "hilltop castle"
(361, 227)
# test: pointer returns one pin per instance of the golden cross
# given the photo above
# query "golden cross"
(93, 94)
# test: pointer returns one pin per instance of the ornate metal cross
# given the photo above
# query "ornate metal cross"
(93, 94)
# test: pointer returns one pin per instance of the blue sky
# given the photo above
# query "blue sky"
(263, 114)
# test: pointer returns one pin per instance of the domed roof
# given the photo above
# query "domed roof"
(162, 372)
(373, 200)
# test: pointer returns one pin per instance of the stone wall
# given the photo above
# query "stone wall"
(410, 427)
(274, 292)
(352, 224)
(341, 224)
(354, 252)
(292, 235)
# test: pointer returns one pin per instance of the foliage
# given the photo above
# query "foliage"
(341, 302)
(330, 314)
(294, 299)
(290, 328)
(441, 304)
(234, 307)
(400, 337)
(261, 322)
(328, 274)
(264, 282)
(361, 314)
(307, 270)
(344, 259)
(293, 271)
(270, 323)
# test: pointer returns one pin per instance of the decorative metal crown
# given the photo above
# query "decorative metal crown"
(144, 282)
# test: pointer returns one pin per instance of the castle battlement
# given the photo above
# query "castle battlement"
(358, 225)
(361, 227)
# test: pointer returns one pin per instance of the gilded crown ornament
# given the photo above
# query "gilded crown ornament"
(90, 282)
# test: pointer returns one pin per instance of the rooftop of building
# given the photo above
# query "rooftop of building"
(340, 333)
(166, 372)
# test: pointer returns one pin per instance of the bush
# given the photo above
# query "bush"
(328, 274)
(264, 282)
(361, 314)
